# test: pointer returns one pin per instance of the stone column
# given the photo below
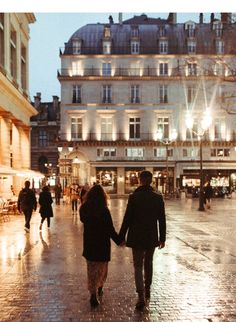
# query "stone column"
(24, 133)
(6, 42)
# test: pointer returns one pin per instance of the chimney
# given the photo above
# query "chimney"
(226, 17)
(212, 17)
(172, 18)
(55, 100)
(37, 100)
(120, 18)
(201, 18)
(111, 20)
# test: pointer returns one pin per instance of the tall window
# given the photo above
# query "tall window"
(219, 129)
(43, 138)
(163, 126)
(23, 67)
(106, 93)
(219, 47)
(76, 128)
(191, 46)
(135, 47)
(76, 95)
(13, 53)
(163, 47)
(191, 93)
(106, 128)
(192, 69)
(163, 93)
(135, 95)
(106, 69)
(192, 134)
(163, 69)
(76, 47)
(219, 69)
(134, 32)
(134, 128)
(2, 39)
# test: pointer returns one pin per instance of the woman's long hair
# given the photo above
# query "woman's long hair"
(96, 197)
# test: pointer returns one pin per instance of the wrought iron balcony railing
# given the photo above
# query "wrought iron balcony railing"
(134, 72)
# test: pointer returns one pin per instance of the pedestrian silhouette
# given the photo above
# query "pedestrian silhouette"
(45, 201)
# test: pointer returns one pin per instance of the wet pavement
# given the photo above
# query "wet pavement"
(43, 275)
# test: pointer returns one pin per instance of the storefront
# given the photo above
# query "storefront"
(132, 178)
(162, 181)
(108, 179)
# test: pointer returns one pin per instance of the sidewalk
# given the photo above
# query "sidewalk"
(43, 276)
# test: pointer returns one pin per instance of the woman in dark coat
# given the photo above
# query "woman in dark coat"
(45, 201)
(98, 230)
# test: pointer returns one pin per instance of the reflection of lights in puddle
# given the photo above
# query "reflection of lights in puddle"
(11, 251)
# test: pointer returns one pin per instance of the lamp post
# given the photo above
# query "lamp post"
(167, 142)
(204, 126)
(65, 170)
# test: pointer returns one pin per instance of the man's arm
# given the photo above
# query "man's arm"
(162, 223)
(127, 219)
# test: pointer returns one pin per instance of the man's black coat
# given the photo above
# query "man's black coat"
(144, 213)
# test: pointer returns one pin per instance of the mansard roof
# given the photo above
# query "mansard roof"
(92, 35)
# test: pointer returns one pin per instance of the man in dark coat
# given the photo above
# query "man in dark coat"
(145, 209)
(26, 203)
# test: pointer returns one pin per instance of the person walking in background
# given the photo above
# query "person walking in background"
(26, 203)
(208, 194)
(145, 209)
(58, 192)
(74, 195)
(45, 201)
(98, 230)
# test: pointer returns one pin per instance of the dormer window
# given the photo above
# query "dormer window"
(76, 46)
(218, 28)
(162, 31)
(190, 28)
(106, 47)
(135, 47)
(107, 32)
(134, 32)
(163, 47)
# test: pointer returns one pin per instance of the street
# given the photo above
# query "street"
(43, 275)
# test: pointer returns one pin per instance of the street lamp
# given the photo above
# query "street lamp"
(204, 126)
(65, 171)
(167, 142)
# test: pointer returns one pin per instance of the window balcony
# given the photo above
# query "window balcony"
(135, 73)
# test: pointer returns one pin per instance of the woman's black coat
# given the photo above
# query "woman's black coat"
(98, 229)
(45, 201)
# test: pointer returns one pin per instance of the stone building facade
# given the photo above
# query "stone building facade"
(44, 134)
(15, 108)
(122, 83)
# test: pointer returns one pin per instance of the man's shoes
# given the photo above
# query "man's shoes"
(27, 229)
(141, 302)
(94, 301)
(100, 291)
(40, 227)
(140, 305)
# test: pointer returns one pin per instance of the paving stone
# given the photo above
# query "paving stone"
(43, 275)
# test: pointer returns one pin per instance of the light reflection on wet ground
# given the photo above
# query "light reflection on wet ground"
(43, 276)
